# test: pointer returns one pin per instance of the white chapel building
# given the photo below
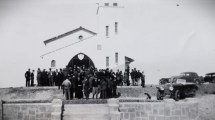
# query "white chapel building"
(102, 42)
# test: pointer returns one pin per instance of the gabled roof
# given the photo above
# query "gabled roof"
(68, 33)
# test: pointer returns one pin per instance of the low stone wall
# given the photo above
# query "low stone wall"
(32, 110)
(29, 111)
(166, 110)
(136, 91)
(127, 109)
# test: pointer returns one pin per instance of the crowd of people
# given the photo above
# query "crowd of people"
(79, 82)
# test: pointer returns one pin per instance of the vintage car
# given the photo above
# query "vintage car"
(191, 77)
(209, 77)
(177, 89)
(188, 76)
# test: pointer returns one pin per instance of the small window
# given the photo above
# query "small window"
(107, 31)
(107, 62)
(106, 4)
(115, 4)
(80, 37)
(116, 58)
(53, 63)
(116, 27)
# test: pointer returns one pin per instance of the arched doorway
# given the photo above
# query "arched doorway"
(80, 60)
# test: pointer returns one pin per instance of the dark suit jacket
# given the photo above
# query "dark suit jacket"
(27, 75)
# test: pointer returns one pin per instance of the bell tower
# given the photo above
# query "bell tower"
(110, 22)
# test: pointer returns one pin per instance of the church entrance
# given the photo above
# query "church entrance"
(80, 60)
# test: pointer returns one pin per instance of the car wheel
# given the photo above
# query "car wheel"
(159, 95)
(177, 95)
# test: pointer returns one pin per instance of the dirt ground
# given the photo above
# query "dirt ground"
(206, 106)
(205, 97)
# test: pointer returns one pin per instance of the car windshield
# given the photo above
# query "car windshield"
(189, 74)
(210, 75)
(184, 74)
(172, 79)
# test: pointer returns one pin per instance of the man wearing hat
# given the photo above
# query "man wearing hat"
(27, 77)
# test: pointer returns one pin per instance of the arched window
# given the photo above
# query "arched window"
(53, 63)
(107, 62)
(107, 31)
(116, 27)
(116, 58)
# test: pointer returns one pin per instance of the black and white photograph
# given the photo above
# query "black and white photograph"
(107, 59)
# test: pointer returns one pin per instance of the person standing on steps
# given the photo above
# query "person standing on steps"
(72, 80)
(27, 77)
(109, 87)
(38, 77)
(66, 85)
(86, 88)
(104, 89)
(142, 79)
(96, 87)
(32, 78)
(50, 77)
(114, 87)
(79, 88)
(61, 78)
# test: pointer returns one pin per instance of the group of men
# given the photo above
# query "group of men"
(44, 78)
(29, 76)
(50, 78)
(137, 77)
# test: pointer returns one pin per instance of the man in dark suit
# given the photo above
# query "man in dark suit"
(56, 76)
(44, 78)
(72, 89)
(142, 79)
(27, 77)
(39, 77)
(61, 78)
(103, 89)
(109, 87)
(32, 78)
(79, 88)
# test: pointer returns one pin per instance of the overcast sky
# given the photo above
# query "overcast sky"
(164, 38)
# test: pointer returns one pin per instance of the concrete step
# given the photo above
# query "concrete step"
(68, 113)
(86, 105)
(94, 116)
(87, 118)
(86, 112)
(95, 108)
